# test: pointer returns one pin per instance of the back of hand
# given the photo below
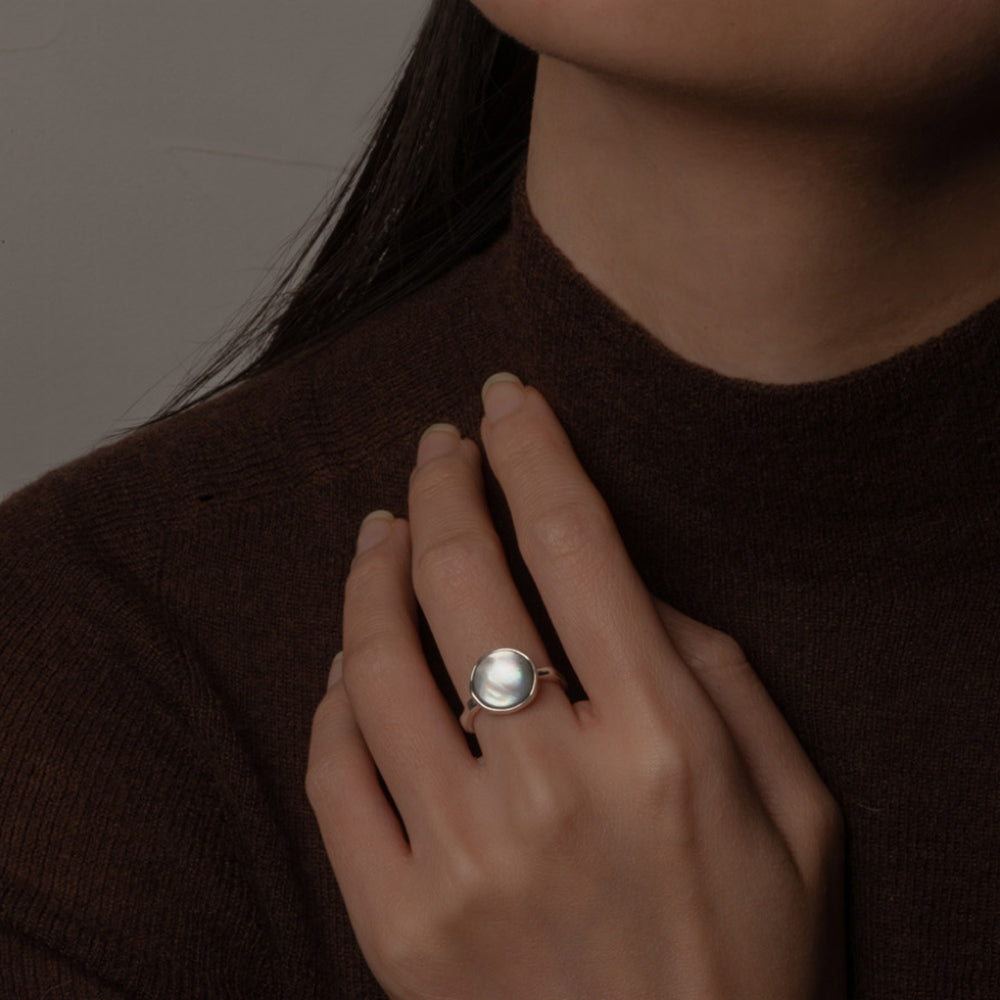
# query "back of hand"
(665, 838)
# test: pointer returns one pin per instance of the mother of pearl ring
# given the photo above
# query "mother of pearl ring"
(504, 681)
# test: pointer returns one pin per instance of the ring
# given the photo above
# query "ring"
(504, 681)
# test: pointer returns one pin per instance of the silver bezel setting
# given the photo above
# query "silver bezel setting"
(475, 700)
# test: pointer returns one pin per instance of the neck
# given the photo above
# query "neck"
(763, 250)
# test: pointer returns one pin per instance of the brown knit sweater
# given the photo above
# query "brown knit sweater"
(169, 607)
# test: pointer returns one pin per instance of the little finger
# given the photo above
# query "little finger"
(409, 729)
(362, 836)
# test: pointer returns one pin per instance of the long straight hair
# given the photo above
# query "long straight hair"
(432, 186)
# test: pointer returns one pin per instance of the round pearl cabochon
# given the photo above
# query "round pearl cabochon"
(503, 679)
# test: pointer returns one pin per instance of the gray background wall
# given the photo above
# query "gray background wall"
(154, 158)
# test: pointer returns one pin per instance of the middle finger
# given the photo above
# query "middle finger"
(463, 583)
(604, 615)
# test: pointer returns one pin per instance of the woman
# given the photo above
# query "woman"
(744, 265)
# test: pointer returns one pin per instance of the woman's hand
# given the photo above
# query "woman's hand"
(666, 838)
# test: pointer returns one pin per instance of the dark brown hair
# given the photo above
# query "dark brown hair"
(432, 185)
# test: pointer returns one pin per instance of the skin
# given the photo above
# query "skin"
(783, 195)
(666, 837)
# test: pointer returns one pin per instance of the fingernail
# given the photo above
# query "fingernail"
(503, 393)
(336, 670)
(374, 529)
(437, 440)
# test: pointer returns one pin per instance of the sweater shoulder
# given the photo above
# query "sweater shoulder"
(312, 419)
(150, 593)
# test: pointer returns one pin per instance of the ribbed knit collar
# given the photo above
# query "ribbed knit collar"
(695, 460)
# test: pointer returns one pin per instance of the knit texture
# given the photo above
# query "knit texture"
(169, 607)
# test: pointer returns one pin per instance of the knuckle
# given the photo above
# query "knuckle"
(568, 531)
(829, 820)
(548, 811)
(670, 783)
(453, 564)
(429, 481)
(370, 656)
(328, 712)
(665, 776)
(368, 573)
(716, 650)
(319, 778)
(820, 837)
(512, 451)
(660, 773)
(322, 768)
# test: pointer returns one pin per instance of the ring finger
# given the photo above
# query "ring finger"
(464, 586)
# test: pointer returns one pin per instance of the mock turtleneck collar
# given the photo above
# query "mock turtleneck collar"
(688, 457)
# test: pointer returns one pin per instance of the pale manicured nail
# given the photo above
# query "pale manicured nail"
(336, 670)
(503, 393)
(374, 529)
(437, 440)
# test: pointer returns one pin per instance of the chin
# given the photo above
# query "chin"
(884, 59)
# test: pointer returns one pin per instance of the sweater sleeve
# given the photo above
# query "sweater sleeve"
(29, 969)
(119, 868)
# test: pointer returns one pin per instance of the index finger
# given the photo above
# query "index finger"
(605, 616)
